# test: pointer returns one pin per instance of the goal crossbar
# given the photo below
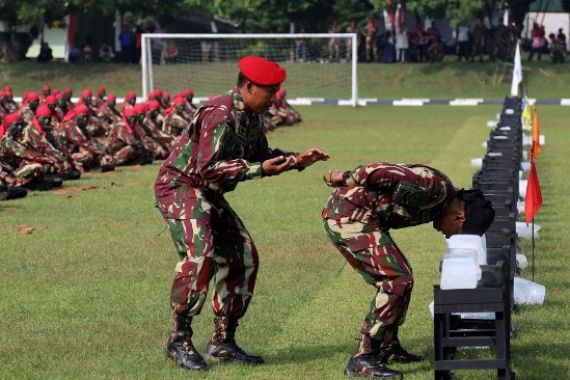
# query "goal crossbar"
(147, 62)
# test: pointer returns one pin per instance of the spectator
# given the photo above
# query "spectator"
(562, 37)
(74, 54)
(538, 42)
(138, 44)
(334, 45)
(351, 28)
(87, 51)
(371, 46)
(388, 48)
(402, 44)
(171, 54)
(157, 46)
(463, 48)
(557, 48)
(46, 54)
(301, 48)
(106, 53)
(127, 40)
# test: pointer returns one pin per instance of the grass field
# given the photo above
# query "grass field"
(443, 80)
(86, 294)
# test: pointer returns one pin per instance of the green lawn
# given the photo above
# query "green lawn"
(442, 80)
(86, 294)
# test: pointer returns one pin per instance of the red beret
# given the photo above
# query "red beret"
(188, 92)
(131, 95)
(111, 96)
(129, 112)
(262, 71)
(68, 91)
(43, 111)
(32, 96)
(140, 108)
(85, 93)
(179, 101)
(81, 110)
(153, 105)
(46, 88)
(50, 99)
(11, 119)
(100, 89)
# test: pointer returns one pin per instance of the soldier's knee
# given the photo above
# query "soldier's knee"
(402, 285)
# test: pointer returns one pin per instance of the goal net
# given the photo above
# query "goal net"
(320, 67)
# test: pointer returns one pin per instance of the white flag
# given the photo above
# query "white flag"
(517, 72)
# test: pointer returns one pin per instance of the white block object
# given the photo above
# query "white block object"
(492, 123)
(520, 207)
(509, 111)
(528, 292)
(476, 162)
(522, 188)
(524, 231)
(484, 145)
(459, 273)
(522, 261)
(469, 242)
(525, 166)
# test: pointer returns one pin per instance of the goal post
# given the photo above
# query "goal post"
(321, 67)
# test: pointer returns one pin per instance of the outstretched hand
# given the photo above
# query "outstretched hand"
(334, 179)
(277, 165)
(310, 156)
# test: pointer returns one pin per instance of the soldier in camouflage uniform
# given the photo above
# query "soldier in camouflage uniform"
(366, 204)
(25, 164)
(99, 98)
(29, 106)
(152, 123)
(9, 103)
(174, 123)
(79, 144)
(124, 144)
(129, 101)
(8, 190)
(223, 146)
(107, 112)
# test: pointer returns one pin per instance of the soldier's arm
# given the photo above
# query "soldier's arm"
(24, 153)
(79, 139)
(215, 151)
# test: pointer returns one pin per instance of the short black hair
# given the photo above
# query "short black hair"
(241, 80)
(479, 213)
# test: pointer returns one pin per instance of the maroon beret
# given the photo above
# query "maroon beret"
(262, 71)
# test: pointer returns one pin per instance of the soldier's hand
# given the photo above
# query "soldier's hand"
(310, 156)
(277, 165)
(334, 179)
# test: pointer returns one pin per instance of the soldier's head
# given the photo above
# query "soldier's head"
(67, 93)
(153, 108)
(258, 81)
(46, 90)
(14, 124)
(81, 115)
(131, 116)
(44, 116)
(33, 100)
(468, 213)
(111, 100)
(140, 110)
(131, 98)
(51, 102)
(188, 94)
(165, 99)
(101, 92)
(85, 96)
(61, 102)
(179, 104)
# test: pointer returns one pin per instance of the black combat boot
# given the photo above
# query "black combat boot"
(16, 192)
(179, 346)
(48, 182)
(107, 168)
(72, 175)
(223, 346)
(365, 361)
(391, 351)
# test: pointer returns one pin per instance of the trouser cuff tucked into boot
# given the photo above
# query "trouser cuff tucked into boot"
(223, 346)
(391, 351)
(180, 347)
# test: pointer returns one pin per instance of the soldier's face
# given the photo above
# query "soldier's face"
(451, 220)
(112, 103)
(258, 98)
(179, 109)
(82, 121)
(34, 104)
(16, 129)
(45, 121)
(154, 114)
(132, 120)
(141, 117)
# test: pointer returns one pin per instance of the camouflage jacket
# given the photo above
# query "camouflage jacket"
(119, 137)
(224, 145)
(390, 195)
(174, 124)
(13, 152)
(27, 114)
(34, 140)
(74, 138)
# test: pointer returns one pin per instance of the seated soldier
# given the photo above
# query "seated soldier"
(364, 206)
(8, 185)
(29, 106)
(31, 168)
(108, 114)
(130, 101)
(79, 144)
(9, 103)
(152, 122)
(174, 123)
(151, 147)
(123, 144)
(99, 98)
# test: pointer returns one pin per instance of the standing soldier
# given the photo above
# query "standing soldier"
(79, 144)
(365, 205)
(224, 145)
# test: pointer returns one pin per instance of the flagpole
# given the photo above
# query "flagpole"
(532, 249)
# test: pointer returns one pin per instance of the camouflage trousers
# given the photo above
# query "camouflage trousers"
(375, 256)
(125, 155)
(27, 172)
(87, 159)
(213, 245)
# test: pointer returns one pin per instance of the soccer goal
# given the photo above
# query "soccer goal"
(321, 68)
